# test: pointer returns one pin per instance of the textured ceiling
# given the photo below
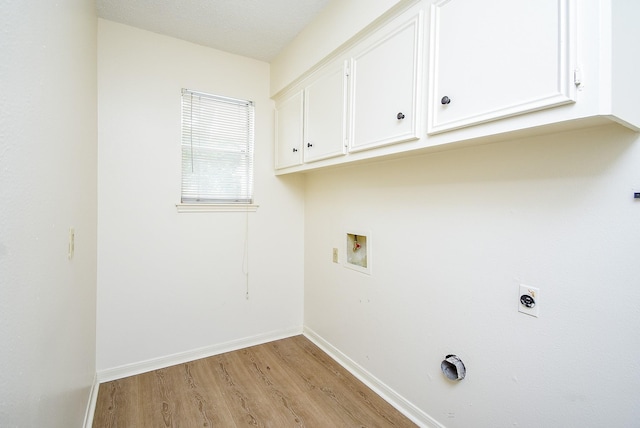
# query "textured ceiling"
(254, 28)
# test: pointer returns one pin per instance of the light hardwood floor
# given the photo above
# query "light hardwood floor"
(285, 383)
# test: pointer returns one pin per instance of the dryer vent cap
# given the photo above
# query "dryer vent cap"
(453, 368)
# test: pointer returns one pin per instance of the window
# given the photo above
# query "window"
(217, 149)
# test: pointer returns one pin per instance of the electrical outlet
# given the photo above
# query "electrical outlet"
(335, 255)
(529, 300)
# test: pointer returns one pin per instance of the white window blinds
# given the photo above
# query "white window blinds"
(217, 149)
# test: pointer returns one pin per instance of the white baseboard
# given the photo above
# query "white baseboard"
(91, 404)
(195, 354)
(396, 400)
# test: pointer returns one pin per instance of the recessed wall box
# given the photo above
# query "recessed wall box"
(358, 251)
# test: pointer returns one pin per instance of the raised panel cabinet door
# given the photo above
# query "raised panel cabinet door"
(385, 85)
(325, 114)
(289, 132)
(498, 58)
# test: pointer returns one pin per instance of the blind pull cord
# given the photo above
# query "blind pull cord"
(245, 261)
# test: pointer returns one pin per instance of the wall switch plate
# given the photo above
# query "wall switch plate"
(72, 242)
(529, 300)
(335, 255)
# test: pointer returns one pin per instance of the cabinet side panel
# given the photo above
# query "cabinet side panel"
(625, 62)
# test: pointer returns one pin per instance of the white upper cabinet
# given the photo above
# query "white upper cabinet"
(311, 121)
(289, 131)
(481, 69)
(498, 58)
(325, 100)
(385, 85)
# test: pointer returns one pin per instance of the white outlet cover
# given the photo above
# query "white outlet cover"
(529, 300)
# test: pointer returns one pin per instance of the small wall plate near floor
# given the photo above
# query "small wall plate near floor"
(529, 300)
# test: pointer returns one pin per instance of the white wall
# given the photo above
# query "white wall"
(170, 282)
(47, 185)
(335, 24)
(453, 235)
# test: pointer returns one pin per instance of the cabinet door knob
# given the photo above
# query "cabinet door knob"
(309, 145)
(295, 150)
(400, 116)
(445, 100)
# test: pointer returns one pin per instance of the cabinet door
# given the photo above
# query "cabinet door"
(325, 114)
(289, 132)
(385, 85)
(497, 58)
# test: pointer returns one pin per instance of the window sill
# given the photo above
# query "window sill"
(210, 208)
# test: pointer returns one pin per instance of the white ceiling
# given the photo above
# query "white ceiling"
(254, 28)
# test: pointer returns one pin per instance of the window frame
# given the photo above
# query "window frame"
(213, 141)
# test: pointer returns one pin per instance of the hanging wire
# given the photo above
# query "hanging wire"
(249, 179)
(245, 260)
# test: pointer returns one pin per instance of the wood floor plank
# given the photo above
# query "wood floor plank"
(182, 396)
(291, 392)
(325, 388)
(285, 383)
(287, 396)
(353, 398)
(118, 402)
(236, 392)
(324, 411)
(158, 402)
(206, 396)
